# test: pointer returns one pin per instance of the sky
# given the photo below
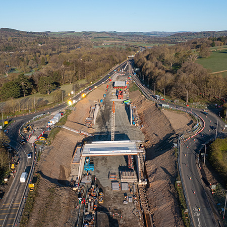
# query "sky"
(122, 16)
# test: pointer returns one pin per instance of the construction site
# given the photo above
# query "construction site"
(111, 190)
(107, 169)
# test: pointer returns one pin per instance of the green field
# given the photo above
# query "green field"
(216, 62)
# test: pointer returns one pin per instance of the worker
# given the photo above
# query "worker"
(190, 178)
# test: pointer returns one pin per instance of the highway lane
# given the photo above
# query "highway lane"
(12, 200)
(196, 194)
(196, 190)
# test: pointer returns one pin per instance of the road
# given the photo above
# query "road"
(197, 192)
(201, 208)
(12, 202)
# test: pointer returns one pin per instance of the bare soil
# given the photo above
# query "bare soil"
(160, 128)
(55, 204)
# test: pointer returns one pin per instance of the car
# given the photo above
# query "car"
(204, 112)
(29, 155)
(23, 141)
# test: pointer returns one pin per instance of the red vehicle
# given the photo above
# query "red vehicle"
(120, 95)
(83, 201)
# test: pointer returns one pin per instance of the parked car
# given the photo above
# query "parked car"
(29, 155)
(23, 141)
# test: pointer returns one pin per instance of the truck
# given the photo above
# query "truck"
(23, 177)
(55, 119)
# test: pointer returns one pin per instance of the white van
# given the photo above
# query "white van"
(23, 177)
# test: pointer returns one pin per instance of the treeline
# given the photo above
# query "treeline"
(217, 157)
(82, 63)
(172, 70)
(26, 54)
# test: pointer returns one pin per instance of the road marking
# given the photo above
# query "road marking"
(6, 204)
(4, 219)
(196, 214)
(199, 223)
(7, 213)
(11, 208)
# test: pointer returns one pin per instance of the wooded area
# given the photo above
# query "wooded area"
(172, 71)
(218, 157)
(37, 63)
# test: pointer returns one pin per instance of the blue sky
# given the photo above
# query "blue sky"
(124, 15)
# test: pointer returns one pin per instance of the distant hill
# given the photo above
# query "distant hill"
(193, 35)
(9, 32)
(17, 33)
(153, 36)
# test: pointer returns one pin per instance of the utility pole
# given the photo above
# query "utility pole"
(216, 130)
(34, 104)
(187, 98)
(2, 120)
(224, 206)
(205, 153)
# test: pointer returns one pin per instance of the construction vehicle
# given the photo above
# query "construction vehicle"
(89, 122)
(101, 200)
(127, 101)
(31, 187)
(119, 94)
(27, 128)
(88, 166)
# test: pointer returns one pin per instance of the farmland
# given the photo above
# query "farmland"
(216, 62)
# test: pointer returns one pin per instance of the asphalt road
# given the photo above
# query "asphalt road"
(201, 208)
(197, 192)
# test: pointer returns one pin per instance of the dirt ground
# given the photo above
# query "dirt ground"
(160, 128)
(55, 204)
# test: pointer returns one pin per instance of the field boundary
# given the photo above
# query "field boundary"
(218, 72)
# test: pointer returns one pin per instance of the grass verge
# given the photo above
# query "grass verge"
(57, 129)
(133, 87)
(182, 202)
(29, 203)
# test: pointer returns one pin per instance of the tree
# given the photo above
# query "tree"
(46, 85)
(204, 52)
(43, 62)
(25, 84)
(10, 89)
(4, 162)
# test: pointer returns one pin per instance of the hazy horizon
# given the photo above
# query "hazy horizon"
(121, 16)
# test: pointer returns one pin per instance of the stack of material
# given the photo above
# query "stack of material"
(113, 176)
(124, 186)
(128, 176)
(115, 185)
